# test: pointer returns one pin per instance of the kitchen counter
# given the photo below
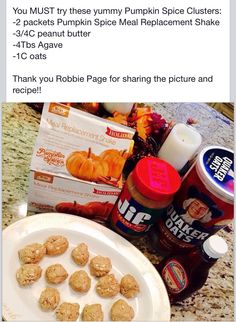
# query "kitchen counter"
(214, 302)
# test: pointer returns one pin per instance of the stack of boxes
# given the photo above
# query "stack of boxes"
(77, 160)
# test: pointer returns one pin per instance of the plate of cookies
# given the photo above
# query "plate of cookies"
(60, 267)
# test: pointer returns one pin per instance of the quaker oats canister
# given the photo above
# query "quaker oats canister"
(202, 206)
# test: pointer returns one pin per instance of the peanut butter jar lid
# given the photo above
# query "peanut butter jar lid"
(156, 179)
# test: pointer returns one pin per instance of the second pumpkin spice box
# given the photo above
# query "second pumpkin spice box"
(50, 193)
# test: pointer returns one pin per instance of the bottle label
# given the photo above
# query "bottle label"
(131, 217)
(174, 276)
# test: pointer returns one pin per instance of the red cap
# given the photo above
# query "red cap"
(156, 179)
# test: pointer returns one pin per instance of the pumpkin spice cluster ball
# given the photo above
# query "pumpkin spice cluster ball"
(80, 281)
(80, 254)
(68, 312)
(49, 299)
(108, 286)
(92, 312)
(56, 274)
(121, 311)
(129, 286)
(27, 274)
(100, 266)
(56, 245)
(32, 254)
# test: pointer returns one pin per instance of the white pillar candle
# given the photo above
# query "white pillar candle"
(180, 145)
(122, 108)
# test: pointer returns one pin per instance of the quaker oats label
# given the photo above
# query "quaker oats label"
(219, 165)
(182, 226)
(174, 276)
(203, 204)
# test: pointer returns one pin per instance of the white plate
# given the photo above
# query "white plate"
(20, 303)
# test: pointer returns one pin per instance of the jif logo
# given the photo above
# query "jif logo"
(130, 213)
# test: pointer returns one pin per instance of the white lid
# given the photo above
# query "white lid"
(223, 189)
(215, 246)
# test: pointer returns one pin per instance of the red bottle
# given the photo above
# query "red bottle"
(184, 274)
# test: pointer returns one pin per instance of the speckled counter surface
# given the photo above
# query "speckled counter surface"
(214, 302)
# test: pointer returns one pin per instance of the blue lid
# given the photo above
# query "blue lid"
(215, 167)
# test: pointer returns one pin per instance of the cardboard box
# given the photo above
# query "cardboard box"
(76, 144)
(50, 193)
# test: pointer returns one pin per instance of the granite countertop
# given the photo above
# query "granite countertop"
(214, 302)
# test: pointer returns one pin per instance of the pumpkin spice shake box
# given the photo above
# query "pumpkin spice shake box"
(50, 193)
(75, 144)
